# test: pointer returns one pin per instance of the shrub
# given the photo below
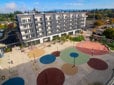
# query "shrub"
(8, 49)
(78, 38)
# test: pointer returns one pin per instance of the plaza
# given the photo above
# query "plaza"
(37, 63)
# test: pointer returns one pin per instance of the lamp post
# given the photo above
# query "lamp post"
(92, 51)
(34, 58)
(9, 66)
(74, 55)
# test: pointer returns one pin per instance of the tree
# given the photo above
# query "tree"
(109, 33)
(34, 10)
(111, 21)
(11, 25)
(98, 16)
(3, 26)
(63, 38)
(99, 23)
(17, 12)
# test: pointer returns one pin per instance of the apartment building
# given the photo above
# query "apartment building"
(38, 28)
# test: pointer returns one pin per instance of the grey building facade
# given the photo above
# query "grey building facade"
(37, 28)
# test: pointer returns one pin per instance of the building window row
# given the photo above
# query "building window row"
(49, 18)
(26, 25)
(38, 19)
(25, 20)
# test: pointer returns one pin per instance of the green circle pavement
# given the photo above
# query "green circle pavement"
(81, 59)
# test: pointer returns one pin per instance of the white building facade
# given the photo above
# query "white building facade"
(37, 28)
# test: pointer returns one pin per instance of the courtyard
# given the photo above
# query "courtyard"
(78, 63)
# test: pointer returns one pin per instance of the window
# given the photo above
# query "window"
(41, 23)
(35, 19)
(27, 36)
(24, 21)
(58, 17)
(37, 24)
(49, 18)
(29, 20)
(32, 35)
(40, 19)
(24, 25)
(30, 25)
(72, 16)
(65, 17)
(32, 30)
(45, 18)
(26, 31)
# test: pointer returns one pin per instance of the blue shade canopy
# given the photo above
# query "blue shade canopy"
(47, 59)
(74, 54)
(14, 81)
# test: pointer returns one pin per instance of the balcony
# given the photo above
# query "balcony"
(24, 29)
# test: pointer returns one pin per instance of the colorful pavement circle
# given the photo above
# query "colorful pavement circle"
(97, 64)
(47, 59)
(69, 69)
(51, 76)
(92, 48)
(74, 54)
(67, 53)
(14, 81)
(56, 53)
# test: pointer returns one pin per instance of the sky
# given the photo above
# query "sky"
(45, 5)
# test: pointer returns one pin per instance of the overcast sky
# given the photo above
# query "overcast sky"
(44, 5)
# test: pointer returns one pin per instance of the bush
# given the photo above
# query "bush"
(109, 33)
(91, 38)
(78, 38)
(110, 45)
(8, 49)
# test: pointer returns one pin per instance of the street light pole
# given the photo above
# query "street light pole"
(74, 62)
(34, 58)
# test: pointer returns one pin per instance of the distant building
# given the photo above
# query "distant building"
(38, 28)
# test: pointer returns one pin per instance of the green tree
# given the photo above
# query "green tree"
(112, 21)
(98, 16)
(109, 33)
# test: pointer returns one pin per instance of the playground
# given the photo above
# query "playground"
(61, 67)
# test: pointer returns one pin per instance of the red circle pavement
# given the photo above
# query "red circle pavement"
(51, 76)
(97, 64)
(56, 53)
(92, 48)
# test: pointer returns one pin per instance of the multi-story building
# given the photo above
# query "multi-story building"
(37, 28)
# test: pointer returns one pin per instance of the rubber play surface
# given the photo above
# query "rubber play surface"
(97, 64)
(92, 48)
(69, 69)
(56, 53)
(14, 81)
(47, 59)
(51, 76)
(80, 59)
(36, 53)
